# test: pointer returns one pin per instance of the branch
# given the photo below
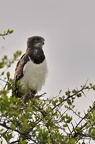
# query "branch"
(6, 33)
(7, 127)
(71, 96)
(81, 128)
(14, 142)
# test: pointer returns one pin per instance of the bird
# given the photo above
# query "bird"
(31, 70)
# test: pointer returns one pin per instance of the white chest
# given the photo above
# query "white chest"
(34, 75)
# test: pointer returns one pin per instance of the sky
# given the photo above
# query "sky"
(68, 27)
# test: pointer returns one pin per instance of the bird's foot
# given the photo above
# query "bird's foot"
(31, 94)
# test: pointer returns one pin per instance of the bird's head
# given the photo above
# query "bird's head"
(35, 41)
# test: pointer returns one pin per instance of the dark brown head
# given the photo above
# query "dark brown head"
(35, 41)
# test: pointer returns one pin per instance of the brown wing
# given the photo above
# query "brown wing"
(19, 70)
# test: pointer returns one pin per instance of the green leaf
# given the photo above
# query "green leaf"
(69, 101)
(78, 113)
(54, 102)
(9, 31)
(74, 91)
(17, 54)
(1, 65)
(79, 95)
(22, 141)
(8, 75)
(94, 87)
(72, 141)
(2, 73)
(78, 129)
(67, 93)
(93, 132)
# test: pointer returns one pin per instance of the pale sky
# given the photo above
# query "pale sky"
(68, 27)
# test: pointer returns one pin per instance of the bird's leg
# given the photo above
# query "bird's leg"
(25, 98)
(32, 94)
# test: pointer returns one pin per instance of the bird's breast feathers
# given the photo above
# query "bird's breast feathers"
(34, 75)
